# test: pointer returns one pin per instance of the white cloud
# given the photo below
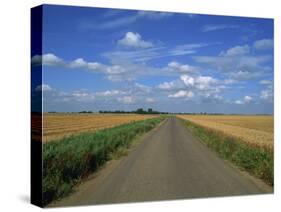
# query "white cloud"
(229, 81)
(142, 88)
(167, 85)
(199, 82)
(263, 44)
(265, 82)
(154, 15)
(47, 59)
(134, 93)
(126, 95)
(117, 22)
(189, 48)
(182, 94)
(215, 27)
(244, 75)
(51, 60)
(95, 66)
(236, 51)
(187, 80)
(127, 99)
(205, 86)
(267, 94)
(43, 87)
(183, 68)
(125, 20)
(75, 96)
(245, 100)
(239, 102)
(204, 82)
(81, 96)
(134, 40)
(110, 93)
(114, 72)
(150, 100)
(242, 67)
(115, 69)
(146, 54)
(248, 99)
(78, 63)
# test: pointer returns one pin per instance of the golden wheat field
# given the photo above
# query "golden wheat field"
(56, 126)
(256, 130)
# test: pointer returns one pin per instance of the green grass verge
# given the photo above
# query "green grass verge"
(256, 160)
(68, 160)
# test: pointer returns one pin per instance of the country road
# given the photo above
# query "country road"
(169, 163)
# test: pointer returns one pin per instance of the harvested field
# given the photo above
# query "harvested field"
(256, 130)
(56, 126)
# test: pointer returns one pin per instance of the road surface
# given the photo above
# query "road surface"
(168, 164)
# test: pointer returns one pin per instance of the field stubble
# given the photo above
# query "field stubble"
(254, 130)
(57, 126)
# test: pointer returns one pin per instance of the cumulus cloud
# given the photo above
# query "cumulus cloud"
(114, 72)
(238, 63)
(245, 100)
(169, 85)
(263, 44)
(204, 82)
(182, 68)
(80, 95)
(47, 59)
(267, 94)
(79, 63)
(206, 88)
(248, 99)
(239, 102)
(133, 93)
(242, 67)
(187, 80)
(236, 51)
(134, 40)
(199, 82)
(110, 93)
(182, 94)
(127, 95)
(127, 99)
(52, 95)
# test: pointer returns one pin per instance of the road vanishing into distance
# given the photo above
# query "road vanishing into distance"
(169, 163)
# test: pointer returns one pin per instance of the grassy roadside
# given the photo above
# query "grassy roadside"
(257, 160)
(68, 160)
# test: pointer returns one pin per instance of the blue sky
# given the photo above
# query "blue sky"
(105, 59)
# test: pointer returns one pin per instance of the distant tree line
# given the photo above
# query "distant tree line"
(151, 111)
(84, 111)
(138, 111)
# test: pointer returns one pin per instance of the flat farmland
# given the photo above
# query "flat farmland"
(256, 130)
(56, 126)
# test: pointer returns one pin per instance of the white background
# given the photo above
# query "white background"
(15, 102)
